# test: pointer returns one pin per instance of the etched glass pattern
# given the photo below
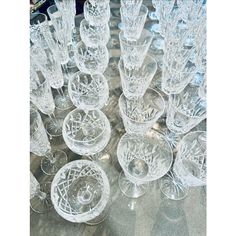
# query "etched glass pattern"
(80, 191)
(93, 35)
(86, 133)
(136, 81)
(88, 92)
(140, 115)
(185, 110)
(91, 60)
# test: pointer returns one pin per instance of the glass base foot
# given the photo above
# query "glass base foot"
(63, 102)
(54, 127)
(130, 189)
(42, 205)
(51, 168)
(172, 187)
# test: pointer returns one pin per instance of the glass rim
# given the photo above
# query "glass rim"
(157, 134)
(49, 9)
(180, 111)
(143, 122)
(144, 31)
(78, 141)
(38, 14)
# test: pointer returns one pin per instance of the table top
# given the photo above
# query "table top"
(152, 214)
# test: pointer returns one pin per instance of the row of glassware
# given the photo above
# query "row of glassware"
(80, 189)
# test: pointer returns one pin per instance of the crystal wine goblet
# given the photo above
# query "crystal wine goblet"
(143, 159)
(86, 132)
(131, 7)
(40, 200)
(53, 160)
(80, 192)
(93, 35)
(133, 27)
(88, 92)
(91, 60)
(97, 14)
(136, 81)
(185, 110)
(140, 115)
(189, 168)
(134, 52)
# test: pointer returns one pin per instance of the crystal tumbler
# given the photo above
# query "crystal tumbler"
(140, 115)
(136, 81)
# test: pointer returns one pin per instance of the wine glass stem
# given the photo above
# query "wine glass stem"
(41, 195)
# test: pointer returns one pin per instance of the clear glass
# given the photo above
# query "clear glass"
(88, 92)
(61, 31)
(91, 60)
(154, 15)
(143, 159)
(140, 115)
(94, 35)
(185, 110)
(134, 52)
(47, 63)
(131, 8)
(203, 89)
(133, 27)
(98, 14)
(86, 133)
(53, 160)
(80, 192)
(40, 200)
(136, 81)
(189, 168)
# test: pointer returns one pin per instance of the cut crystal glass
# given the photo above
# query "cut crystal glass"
(143, 159)
(98, 14)
(136, 81)
(185, 110)
(80, 192)
(91, 60)
(189, 168)
(140, 115)
(53, 160)
(40, 200)
(134, 52)
(131, 26)
(93, 35)
(88, 92)
(86, 133)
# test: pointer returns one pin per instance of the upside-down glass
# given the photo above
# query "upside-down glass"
(91, 60)
(143, 159)
(189, 168)
(136, 81)
(40, 200)
(98, 14)
(53, 160)
(134, 52)
(185, 110)
(86, 132)
(140, 115)
(94, 35)
(131, 26)
(88, 92)
(80, 192)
